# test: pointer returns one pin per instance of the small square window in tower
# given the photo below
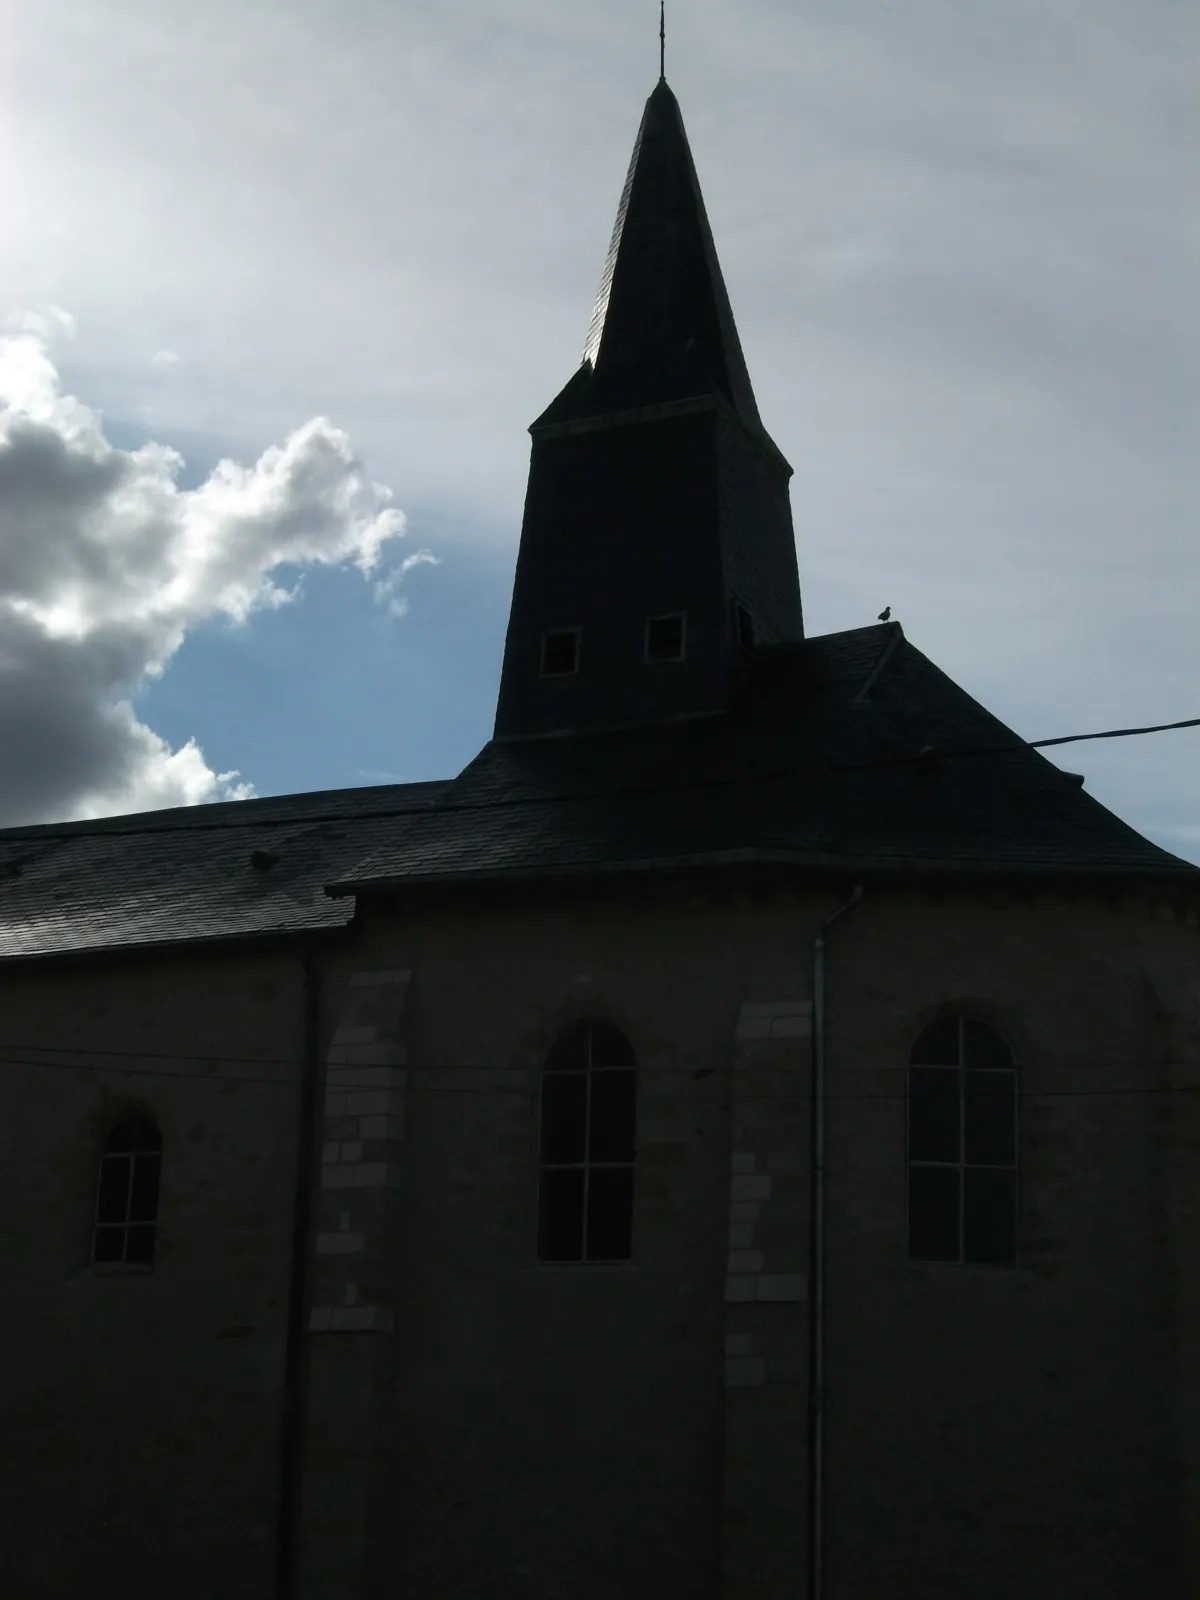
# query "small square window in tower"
(666, 637)
(560, 653)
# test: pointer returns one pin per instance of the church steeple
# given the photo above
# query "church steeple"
(657, 544)
(662, 327)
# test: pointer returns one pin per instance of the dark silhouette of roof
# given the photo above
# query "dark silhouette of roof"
(819, 767)
(662, 329)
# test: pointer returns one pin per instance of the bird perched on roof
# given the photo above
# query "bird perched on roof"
(885, 613)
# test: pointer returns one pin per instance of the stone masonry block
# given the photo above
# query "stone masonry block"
(777, 1008)
(353, 1077)
(745, 1372)
(739, 1344)
(360, 1034)
(779, 1286)
(379, 1127)
(745, 1211)
(739, 1289)
(741, 1236)
(754, 1028)
(791, 1028)
(319, 1319)
(371, 980)
(748, 1186)
(352, 1150)
(340, 1244)
(340, 1177)
(329, 1154)
(380, 1053)
(362, 1319)
(743, 1161)
(375, 1175)
(742, 1261)
(335, 1104)
(372, 1103)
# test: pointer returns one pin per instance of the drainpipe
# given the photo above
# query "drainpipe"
(295, 1372)
(816, 1393)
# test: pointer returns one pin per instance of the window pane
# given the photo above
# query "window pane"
(564, 1113)
(983, 1046)
(569, 1052)
(933, 1113)
(613, 1115)
(933, 1213)
(143, 1195)
(135, 1133)
(139, 1245)
(990, 1117)
(938, 1045)
(610, 1047)
(112, 1198)
(990, 1216)
(109, 1245)
(610, 1213)
(560, 1223)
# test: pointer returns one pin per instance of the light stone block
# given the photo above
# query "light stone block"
(741, 1236)
(749, 1186)
(359, 1033)
(340, 1177)
(352, 1150)
(739, 1344)
(362, 1319)
(320, 1319)
(753, 1028)
(745, 1372)
(742, 1261)
(380, 1128)
(745, 1211)
(743, 1161)
(340, 1244)
(739, 1289)
(374, 1175)
(329, 1154)
(354, 1077)
(335, 1104)
(779, 1286)
(791, 1028)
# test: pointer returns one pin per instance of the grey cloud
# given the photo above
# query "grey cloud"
(105, 565)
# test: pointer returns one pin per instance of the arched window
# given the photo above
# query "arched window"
(589, 1112)
(127, 1194)
(962, 1145)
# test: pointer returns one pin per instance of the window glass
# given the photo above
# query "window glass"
(610, 1213)
(933, 1213)
(990, 1119)
(933, 1114)
(990, 1215)
(561, 1221)
(564, 1116)
(612, 1116)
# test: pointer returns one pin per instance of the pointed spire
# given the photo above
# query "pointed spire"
(662, 328)
(662, 41)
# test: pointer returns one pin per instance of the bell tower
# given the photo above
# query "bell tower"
(657, 549)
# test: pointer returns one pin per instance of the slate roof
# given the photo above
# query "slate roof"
(662, 329)
(807, 771)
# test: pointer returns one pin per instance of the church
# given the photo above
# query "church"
(735, 1140)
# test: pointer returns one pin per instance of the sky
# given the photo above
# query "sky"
(282, 287)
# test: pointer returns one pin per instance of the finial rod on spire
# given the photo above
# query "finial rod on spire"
(662, 40)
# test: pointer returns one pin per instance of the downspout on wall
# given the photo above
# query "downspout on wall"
(296, 1359)
(816, 1346)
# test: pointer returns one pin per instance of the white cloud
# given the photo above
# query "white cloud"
(106, 564)
(164, 360)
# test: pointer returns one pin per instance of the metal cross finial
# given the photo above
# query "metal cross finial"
(662, 39)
